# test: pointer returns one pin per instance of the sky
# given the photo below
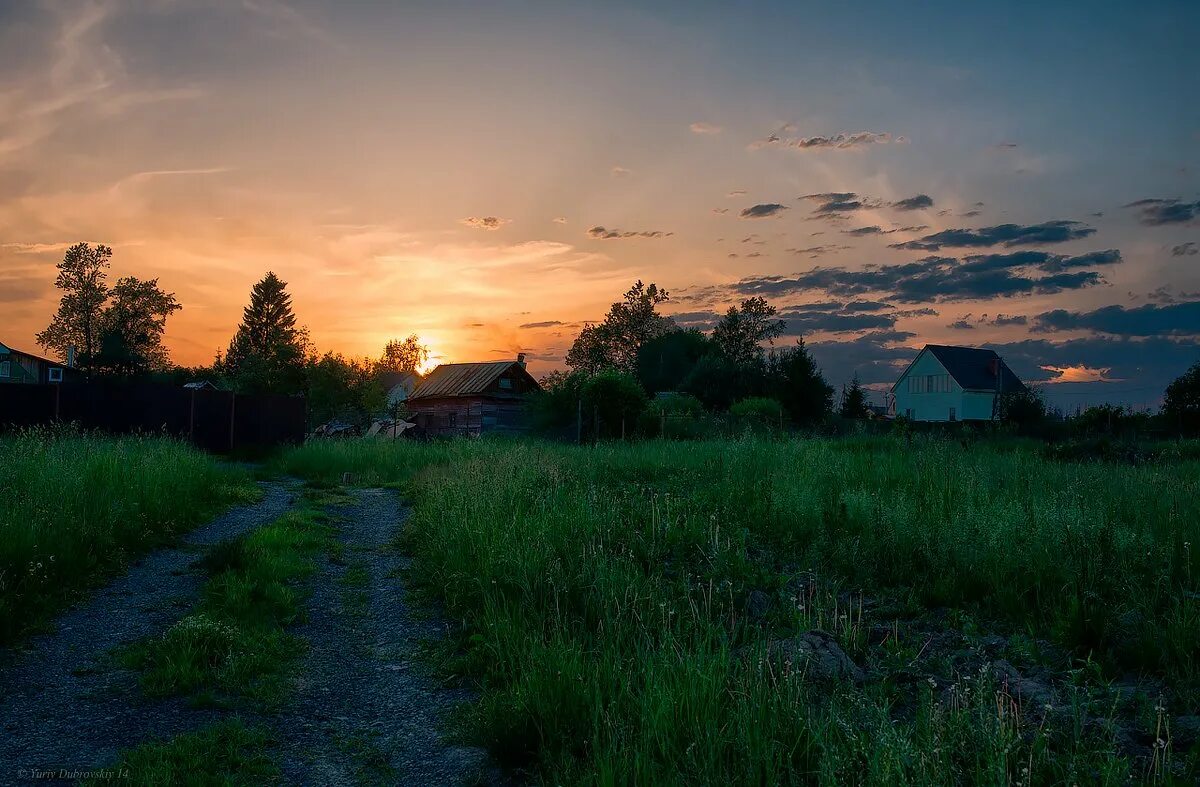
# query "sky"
(489, 176)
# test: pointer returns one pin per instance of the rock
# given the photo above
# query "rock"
(819, 655)
(1185, 732)
(1027, 690)
(757, 604)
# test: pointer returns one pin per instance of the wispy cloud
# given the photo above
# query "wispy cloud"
(705, 128)
(603, 233)
(764, 210)
(1159, 212)
(484, 222)
(841, 141)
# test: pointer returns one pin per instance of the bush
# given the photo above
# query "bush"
(613, 401)
(757, 413)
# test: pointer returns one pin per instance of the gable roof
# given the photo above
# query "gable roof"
(389, 380)
(6, 350)
(971, 368)
(463, 379)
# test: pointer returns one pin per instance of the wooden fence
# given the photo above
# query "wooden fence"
(217, 421)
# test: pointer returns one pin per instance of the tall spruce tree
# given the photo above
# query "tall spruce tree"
(268, 352)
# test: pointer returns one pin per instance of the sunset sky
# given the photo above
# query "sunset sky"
(491, 175)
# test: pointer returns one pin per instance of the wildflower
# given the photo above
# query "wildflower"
(932, 682)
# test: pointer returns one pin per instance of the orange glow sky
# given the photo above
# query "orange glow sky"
(348, 148)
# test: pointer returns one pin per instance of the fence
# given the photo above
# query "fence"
(217, 421)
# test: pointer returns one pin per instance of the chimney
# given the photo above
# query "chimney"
(521, 359)
(994, 367)
(71, 357)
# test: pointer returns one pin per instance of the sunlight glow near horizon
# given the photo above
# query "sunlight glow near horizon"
(436, 171)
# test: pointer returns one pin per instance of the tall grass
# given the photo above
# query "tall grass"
(602, 592)
(76, 508)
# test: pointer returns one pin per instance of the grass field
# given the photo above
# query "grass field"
(645, 612)
(74, 509)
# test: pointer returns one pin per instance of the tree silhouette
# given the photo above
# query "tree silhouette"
(740, 333)
(267, 354)
(1181, 401)
(630, 323)
(854, 400)
(77, 323)
(403, 355)
(132, 328)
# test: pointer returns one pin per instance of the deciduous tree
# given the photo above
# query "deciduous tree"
(630, 323)
(82, 275)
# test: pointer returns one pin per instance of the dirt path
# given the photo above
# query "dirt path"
(63, 705)
(365, 712)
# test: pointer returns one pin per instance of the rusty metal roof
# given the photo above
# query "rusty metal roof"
(460, 379)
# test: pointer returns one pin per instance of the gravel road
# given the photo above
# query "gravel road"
(63, 705)
(366, 712)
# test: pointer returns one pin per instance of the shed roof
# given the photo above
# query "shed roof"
(462, 379)
(971, 368)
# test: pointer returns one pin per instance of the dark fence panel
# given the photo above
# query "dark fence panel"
(215, 421)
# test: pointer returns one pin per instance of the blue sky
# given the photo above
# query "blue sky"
(492, 175)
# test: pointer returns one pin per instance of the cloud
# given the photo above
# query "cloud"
(1042, 260)
(817, 251)
(704, 128)
(1158, 212)
(1002, 146)
(484, 222)
(839, 202)
(763, 210)
(1175, 319)
(720, 210)
(1001, 320)
(545, 324)
(961, 325)
(560, 219)
(620, 172)
(874, 230)
(840, 141)
(803, 321)
(926, 280)
(736, 193)
(919, 202)
(1187, 249)
(602, 233)
(1058, 231)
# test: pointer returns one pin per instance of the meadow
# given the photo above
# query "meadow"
(76, 508)
(858, 610)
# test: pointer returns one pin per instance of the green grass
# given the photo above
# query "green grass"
(601, 593)
(235, 643)
(228, 752)
(76, 509)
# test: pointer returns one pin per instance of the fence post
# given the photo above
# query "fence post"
(192, 418)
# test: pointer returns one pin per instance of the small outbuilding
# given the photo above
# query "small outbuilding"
(946, 383)
(473, 398)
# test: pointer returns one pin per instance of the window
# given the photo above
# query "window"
(452, 420)
(953, 415)
(506, 383)
(55, 374)
(5, 368)
(908, 412)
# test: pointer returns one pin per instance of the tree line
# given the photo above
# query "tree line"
(635, 353)
(116, 332)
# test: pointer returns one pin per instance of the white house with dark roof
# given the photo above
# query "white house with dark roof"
(945, 383)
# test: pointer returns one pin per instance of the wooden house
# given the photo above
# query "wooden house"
(473, 398)
(23, 367)
(953, 384)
